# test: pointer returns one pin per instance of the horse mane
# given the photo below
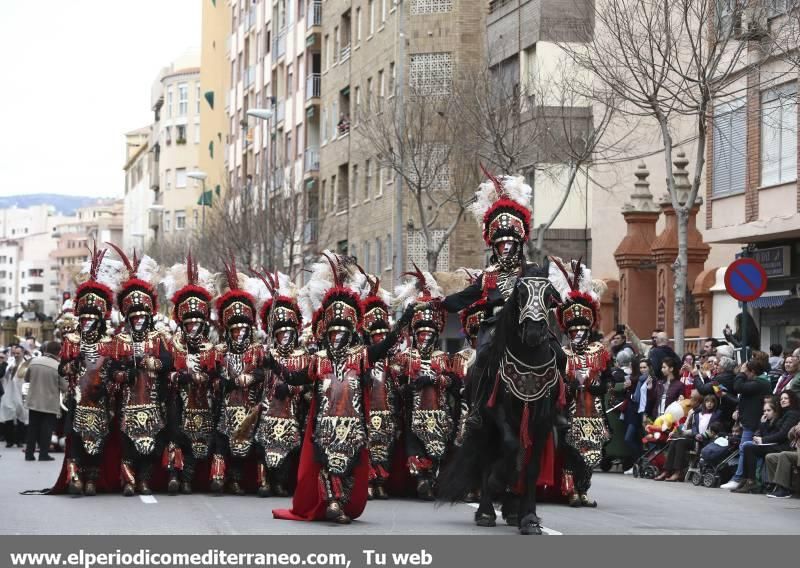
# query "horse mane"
(505, 328)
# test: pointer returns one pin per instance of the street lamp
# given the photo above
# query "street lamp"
(202, 177)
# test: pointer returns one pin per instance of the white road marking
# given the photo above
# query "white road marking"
(148, 499)
(499, 514)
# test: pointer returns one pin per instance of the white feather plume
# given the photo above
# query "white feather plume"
(148, 270)
(111, 273)
(515, 188)
(311, 295)
(563, 284)
(175, 278)
(408, 292)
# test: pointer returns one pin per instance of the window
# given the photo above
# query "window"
(367, 179)
(333, 193)
(324, 201)
(358, 25)
(366, 259)
(180, 177)
(197, 98)
(371, 16)
(327, 52)
(289, 80)
(381, 179)
(337, 42)
(381, 90)
(288, 150)
(378, 253)
(389, 252)
(183, 99)
(357, 112)
(169, 102)
(168, 179)
(196, 218)
(431, 73)
(352, 251)
(383, 11)
(354, 193)
(180, 220)
(180, 134)
(167, 221)
(433, 169)
(729, 148)
(369, 94)
(324, 124)
(196, 133)
(417, 251)
(391, 79)
(419, 7)
(168, 135)
(779, 135)
(298, 142)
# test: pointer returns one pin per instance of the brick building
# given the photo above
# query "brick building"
(371, 50)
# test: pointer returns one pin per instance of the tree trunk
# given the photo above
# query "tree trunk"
(681, 274)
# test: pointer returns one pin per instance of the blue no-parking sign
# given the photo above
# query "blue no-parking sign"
(745, 279)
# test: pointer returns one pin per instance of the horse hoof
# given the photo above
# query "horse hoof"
(512, 520)
(484, 520)
(530, 528)
(173, 487)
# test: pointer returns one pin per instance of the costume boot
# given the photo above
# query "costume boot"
(73, 474)
(90, 487)
(263, 484)
(128, 480)
(144, 479)
(586, 502)
(217, 474)
(335, 513)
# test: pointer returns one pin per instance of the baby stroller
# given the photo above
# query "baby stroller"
(714, 472)
(651, 462)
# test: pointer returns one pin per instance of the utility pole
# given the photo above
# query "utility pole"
(398, 264)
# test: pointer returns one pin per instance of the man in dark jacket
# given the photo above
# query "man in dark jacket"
(43, 400)
(661, 351)
(752, 385)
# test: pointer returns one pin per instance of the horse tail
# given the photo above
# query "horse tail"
(462, 472)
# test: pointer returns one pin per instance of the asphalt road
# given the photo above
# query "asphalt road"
(627, 506)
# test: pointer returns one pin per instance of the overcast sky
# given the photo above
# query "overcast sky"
(76, 75)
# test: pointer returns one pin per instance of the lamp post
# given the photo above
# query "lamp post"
(266, 114)
(202, 177)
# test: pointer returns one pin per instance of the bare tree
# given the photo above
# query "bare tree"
(414, 138)
(668, 61)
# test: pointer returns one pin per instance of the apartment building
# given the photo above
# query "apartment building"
(28, 276)
(274, 64)
(214, 89)
(174, 148)
(138, 196)
(370, 50)
(752, 191)
(74, 237)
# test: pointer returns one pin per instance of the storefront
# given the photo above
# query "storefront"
(777, 311)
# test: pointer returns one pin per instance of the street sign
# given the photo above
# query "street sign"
(745, 279)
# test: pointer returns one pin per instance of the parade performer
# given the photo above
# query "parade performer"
(588, 375)
(141, 364)
(240, 359)
(471, 319)
(334, 463)
(82, 362)
(382, 429)
(427, 373)
(278, 433)
(190, 415)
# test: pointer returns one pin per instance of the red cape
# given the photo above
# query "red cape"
(308, 502)
(109, 478)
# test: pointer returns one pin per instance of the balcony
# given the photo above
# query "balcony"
(314, 16)
(310, 231)
(313, 86)
(311, 162)
(279, 44)
(344, 53)
(343, 127)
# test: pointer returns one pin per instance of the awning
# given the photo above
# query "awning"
(771, 300)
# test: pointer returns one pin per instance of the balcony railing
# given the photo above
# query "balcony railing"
(345, 53)
(313, 86)
(311, 231)
(311, 160)
(279, 44)
(314, 16)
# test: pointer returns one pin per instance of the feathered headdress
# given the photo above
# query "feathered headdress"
(423, 291)
(325, 274)
(93, 295)
(138, 290)
(282, 295)
(235, 304)
(580, 304)
(340, 300)
(376, 308)
(503, 206)
(189, 288)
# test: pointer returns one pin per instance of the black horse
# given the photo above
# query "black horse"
(514, 396)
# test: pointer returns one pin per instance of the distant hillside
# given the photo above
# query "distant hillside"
(66, 204)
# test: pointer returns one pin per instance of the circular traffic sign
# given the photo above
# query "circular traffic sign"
(745, 279)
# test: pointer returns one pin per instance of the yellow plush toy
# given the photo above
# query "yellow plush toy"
(674, 415)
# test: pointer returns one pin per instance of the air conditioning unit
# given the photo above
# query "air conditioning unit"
(750, 23)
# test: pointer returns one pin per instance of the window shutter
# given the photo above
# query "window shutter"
(738, 155)
(789, 135)
(730, 151)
